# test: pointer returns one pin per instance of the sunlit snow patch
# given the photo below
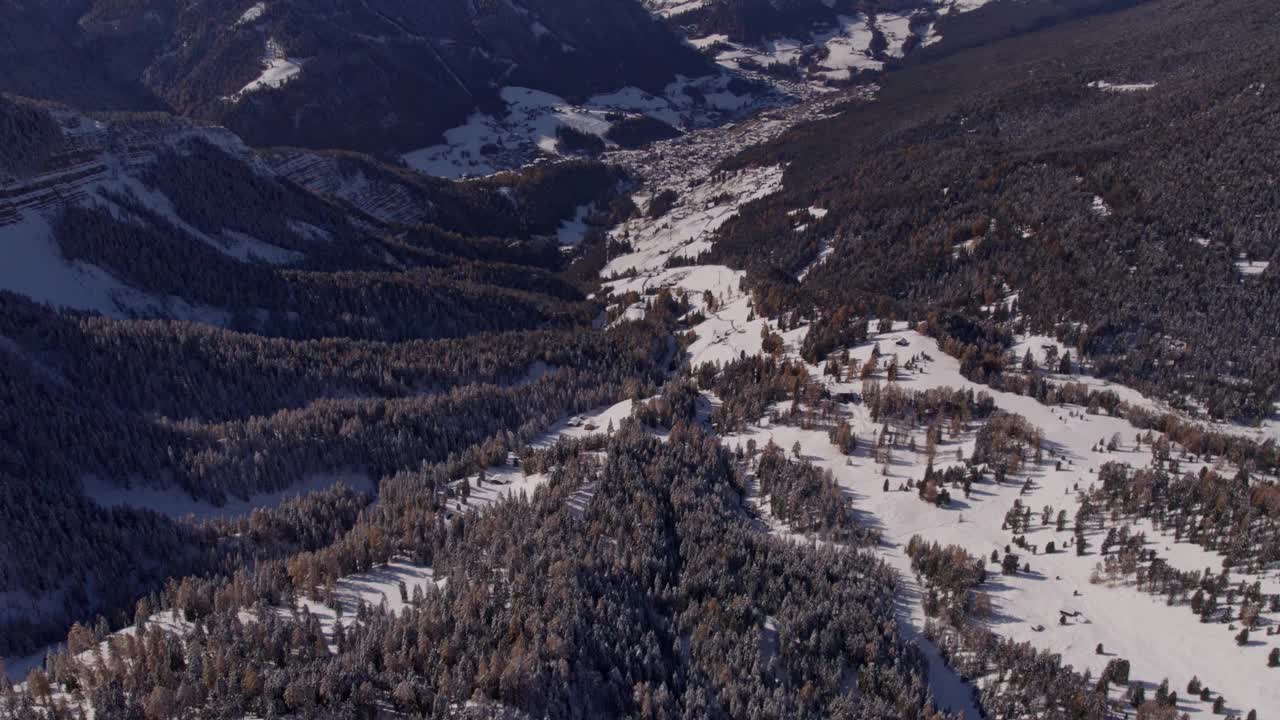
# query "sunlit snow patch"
(1251, 267)
(251, 15)
(1120, 87)
(277, 69)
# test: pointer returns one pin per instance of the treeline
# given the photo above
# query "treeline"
(1194, 438)
(807, 499)
(939, 407)
(1010, 679)
(186, 370)
(1235, 515)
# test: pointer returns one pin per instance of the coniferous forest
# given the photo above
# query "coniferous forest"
(640, 359)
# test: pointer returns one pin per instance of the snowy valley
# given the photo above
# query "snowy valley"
(869, 373)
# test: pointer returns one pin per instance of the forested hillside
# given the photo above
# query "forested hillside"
(377, 75)
(179, 315)
(1100, 182)
(656, 598)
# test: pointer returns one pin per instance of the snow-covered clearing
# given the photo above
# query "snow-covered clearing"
(573, 229)
(277, 69)
(250, 249)
(896, 28)
(1040, 347)
(823, 254)
(1161, 641)
(377, 587)
(961, 6)
(842, 50)
(847, 48)
(729, 328)
(668, 8)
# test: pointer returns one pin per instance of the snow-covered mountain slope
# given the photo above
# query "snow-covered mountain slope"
(1161, 639)
(161, 217)
(105, 169)
(140, 177)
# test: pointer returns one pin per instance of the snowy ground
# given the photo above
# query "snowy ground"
(509, 481)
(1252, 267)
(847, 49)
(1161, 641)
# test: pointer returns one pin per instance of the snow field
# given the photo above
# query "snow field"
(1160, 641)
